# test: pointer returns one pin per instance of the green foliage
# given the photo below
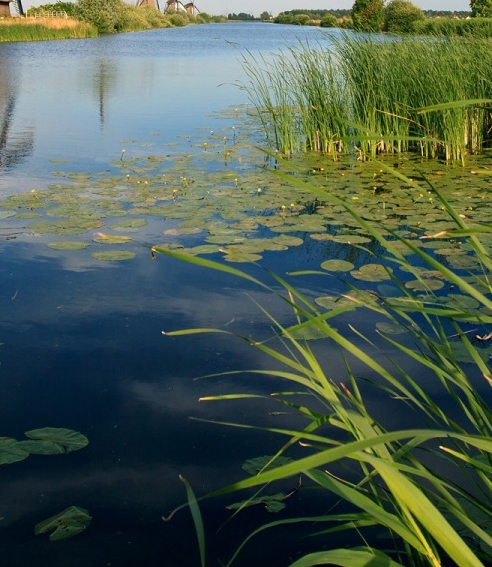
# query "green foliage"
(242, 16)
(66, 524)
(26, 31)
(104, 15)
(426, 489)
(133, 18)
(68, 7)
(328, 21)
(265, 16)
(400, 16)
(481, 8)
(472, 27)
(368, 15)
(381, 86)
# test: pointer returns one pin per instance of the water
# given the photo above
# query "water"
(82, 343)
(82, 340)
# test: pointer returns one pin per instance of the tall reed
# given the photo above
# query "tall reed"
(428, 487)
(366, 92)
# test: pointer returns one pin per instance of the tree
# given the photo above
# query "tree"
(400, 16)
(481, 8)
(105, 15)
(368, 15)
(328, 21)
(265, 16)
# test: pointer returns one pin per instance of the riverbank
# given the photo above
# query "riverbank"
(39, 29)
(130, 18)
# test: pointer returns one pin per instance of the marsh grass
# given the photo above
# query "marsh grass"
(428, 487)
(38, 29)
(366, 93)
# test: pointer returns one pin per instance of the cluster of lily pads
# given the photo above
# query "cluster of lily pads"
(218, 199)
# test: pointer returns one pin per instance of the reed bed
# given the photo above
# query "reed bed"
(39, 29)
(368, 94)
(427, 487)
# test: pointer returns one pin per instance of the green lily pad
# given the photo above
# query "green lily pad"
(273, 503)
(424, 285)
(68, 523)
(335, 265)
(130, 224)
(68, 438)
(39, 447)
(264, 463)
(68, 245)
(114, 256)
(11, 452)
(371, 273)
(388, 328)
(111, 239)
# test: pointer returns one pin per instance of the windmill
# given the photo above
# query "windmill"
(178, 6)
(151, 3)
(5, 8)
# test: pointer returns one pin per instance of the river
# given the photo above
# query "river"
(82, 344)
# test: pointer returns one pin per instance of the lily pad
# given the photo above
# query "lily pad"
(11, 452)
(68, 438)
(336, 265)
(273, 503)
(111, 239)
(372, 273)
(68, 245)
(114, 256)
(39, 447)
(264, 463)
(68, 523)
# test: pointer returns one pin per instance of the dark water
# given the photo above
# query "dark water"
(82, 342)
(83, 345)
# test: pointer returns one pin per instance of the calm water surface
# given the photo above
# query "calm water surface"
(82, 340)
(82, 344)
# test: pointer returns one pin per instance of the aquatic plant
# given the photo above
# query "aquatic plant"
(366, 93)
(426, 485)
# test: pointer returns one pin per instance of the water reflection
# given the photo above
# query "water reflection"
(15, 144)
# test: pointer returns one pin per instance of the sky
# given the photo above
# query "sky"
(274, 7)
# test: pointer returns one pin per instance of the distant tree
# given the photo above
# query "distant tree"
(105, 15)
(481, 8)
(68, 7)
(400, 16)
(241, 16)
(328, 21)
(265, 16)
(368, 15)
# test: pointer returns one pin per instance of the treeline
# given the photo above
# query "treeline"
(114, 16)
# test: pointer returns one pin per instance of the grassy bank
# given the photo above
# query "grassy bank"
(38, 29)
(366, 94)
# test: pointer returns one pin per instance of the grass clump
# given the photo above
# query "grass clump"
(425, 486)
(41, 29)
(367, 94)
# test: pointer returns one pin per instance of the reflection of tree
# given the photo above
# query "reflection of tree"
(14, 146)
(104, 79)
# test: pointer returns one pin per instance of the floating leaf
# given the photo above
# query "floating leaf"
(67, 523)
(114, 256)
(254, 466)
(39, 447)
(102, 238)
(130, 224)
(388, 328)
(372, 273)
(68, 438)
(273, 503)
(336, 265)
(68, 245)
(424, 285)
(10, 451)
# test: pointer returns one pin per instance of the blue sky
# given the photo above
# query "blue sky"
(274, 7)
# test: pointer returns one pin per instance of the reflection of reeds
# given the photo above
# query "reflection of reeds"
(367, 92)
